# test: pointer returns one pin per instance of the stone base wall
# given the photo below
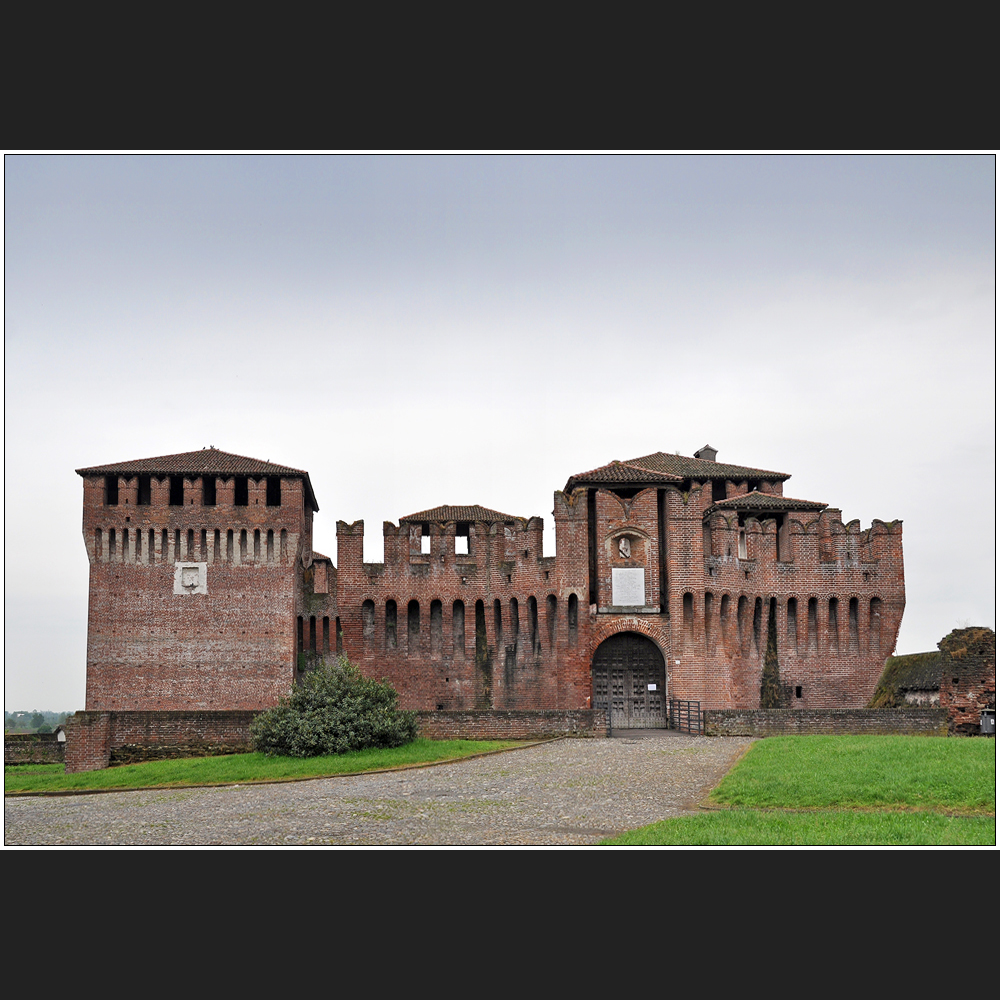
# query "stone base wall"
(512, 725)
(846, 722)
(33, 748)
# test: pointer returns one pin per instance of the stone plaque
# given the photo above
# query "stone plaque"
(628, 588)
(190, 578)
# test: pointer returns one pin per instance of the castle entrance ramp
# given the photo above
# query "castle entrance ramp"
(630, 677)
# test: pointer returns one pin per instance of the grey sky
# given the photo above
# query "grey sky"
(426, 330)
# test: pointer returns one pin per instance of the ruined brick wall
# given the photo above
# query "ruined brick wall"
(968, 677)
(192, 606)
(33, 748)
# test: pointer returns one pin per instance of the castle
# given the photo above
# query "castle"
(671, 576)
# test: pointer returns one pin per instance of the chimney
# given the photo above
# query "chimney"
(707, 453)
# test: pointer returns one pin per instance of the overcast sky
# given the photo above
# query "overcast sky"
(425, 330)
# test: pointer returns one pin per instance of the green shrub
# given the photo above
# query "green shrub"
(333, 710)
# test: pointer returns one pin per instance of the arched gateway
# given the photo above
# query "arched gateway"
(628, 670)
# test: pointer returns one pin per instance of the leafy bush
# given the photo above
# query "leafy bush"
(334, 710)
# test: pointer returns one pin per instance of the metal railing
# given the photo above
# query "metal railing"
(686, 717)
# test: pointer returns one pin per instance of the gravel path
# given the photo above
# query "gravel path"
(570, 792)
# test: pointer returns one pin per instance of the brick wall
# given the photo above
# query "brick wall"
(33, 748)
(95, 740)
(968, 677)
(511, 725)
(791, 722)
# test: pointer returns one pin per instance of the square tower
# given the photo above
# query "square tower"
(196, 564)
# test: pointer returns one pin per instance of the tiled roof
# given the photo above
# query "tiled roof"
(663, 468)
(448, 512)
(206, 461)
(765, 501)
(700, 468)
(621, 472)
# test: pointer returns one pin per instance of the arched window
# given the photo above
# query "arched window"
(368, 620)
(572, 617)
(793, 623)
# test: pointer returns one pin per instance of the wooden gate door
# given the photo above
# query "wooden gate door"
(629, 674)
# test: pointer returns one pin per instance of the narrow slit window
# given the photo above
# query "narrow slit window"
(390, 624)
(458, 628)
(436, 615)
(413, 627)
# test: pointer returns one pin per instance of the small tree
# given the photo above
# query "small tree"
(333, 710)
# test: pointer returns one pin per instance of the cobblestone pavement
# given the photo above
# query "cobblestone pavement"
(569, 792)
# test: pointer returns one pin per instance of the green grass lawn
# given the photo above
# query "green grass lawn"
(239, 768)
(846, 790)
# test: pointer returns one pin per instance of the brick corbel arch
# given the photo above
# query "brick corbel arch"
(643, 626)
